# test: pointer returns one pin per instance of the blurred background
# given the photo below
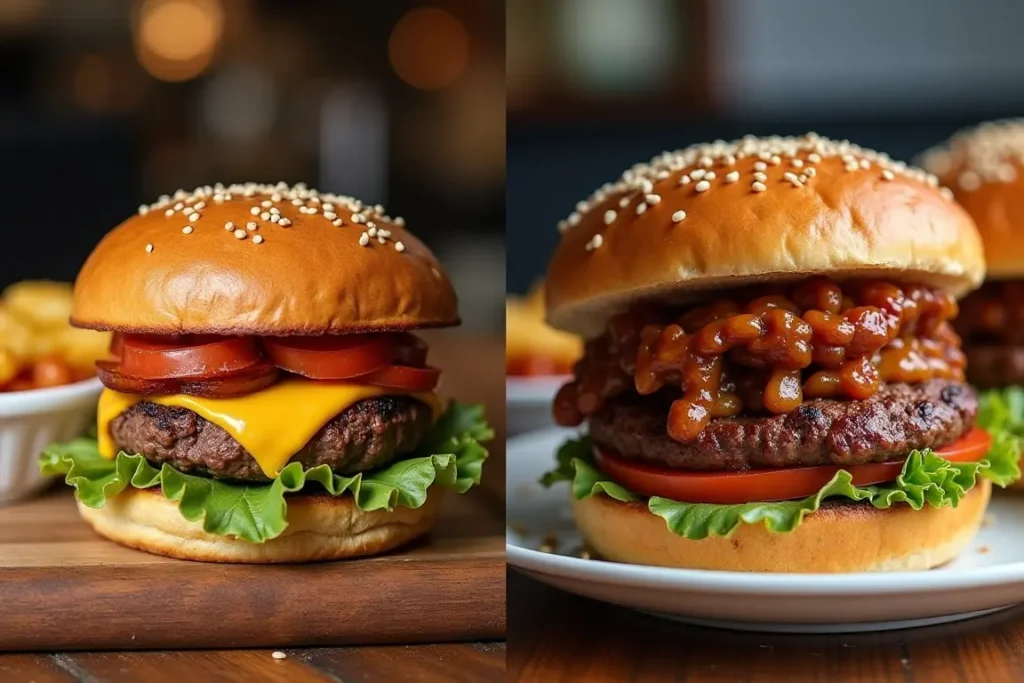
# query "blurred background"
(597, 85)
(105, 104)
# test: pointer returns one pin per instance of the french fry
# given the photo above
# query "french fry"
(42, 304)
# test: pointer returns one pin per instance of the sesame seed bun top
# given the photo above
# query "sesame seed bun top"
(984, 166)
(261, 260)
(725, 215)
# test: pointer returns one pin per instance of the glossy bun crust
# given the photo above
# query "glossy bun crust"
(984, 166)
(311, 277)
(774, 209)
(320, 527)
(840, 537)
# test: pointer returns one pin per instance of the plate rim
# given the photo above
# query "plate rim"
(740, 583)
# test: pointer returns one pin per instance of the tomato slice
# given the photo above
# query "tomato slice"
(150, 357)
(765, 485)
(245, 381)
(116, 344)
(331, 357)
(403, 377)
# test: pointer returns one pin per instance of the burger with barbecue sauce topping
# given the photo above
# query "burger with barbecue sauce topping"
(984, 167)
(266, 400)
(771, 380)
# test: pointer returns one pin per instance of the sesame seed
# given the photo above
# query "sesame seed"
(852, 166)
(265, 216)
(297, 202)
(595, 242)
(710, 175)
(624, 202)
(199, 205)
(255, 211)
(775, 160)
(330, 215)
(946, 192)
(970, 181)
(814, 158)
(143, 209)
(645, 185)
(887, 174)
(810, 172)
(179, 206)
(732, 177)
(652, 199)
(284, 222)
(758, 187)
(240, 234)
(609, 217)
(399, 246)
(277, 654)
(364, 239)
(791, 177)
(257, 239)
(678, 216)
(640, 208)
(703, 186)
(229, 226)
(266, 204)
(169, 212)
(274, 211)
(252, 225)
(187, 230)
(337, 223)
(149, 248)
(763, 177)
(760, 166)
(697, 173)
(706, 162)
(797, 163)
(684, 179)
(193, 217)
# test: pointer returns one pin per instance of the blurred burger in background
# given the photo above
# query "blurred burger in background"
(266, 398)
(771, 380)
(984, 167)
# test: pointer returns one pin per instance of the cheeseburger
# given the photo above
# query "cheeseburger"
(771, 381)
(984, 167)
(266, 400)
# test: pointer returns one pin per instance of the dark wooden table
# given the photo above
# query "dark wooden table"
(450, 662)
(554, 637)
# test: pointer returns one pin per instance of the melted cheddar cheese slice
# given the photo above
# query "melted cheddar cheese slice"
(273, 424)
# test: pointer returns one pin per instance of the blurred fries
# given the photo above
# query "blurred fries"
(38, 346)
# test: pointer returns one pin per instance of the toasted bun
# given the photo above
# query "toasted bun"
(320, 527)
(311, 277)
(823, 208)
(984, 166)
(840, 537)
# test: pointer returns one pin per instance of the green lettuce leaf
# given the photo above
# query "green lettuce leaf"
(926, 479)
(452, 457)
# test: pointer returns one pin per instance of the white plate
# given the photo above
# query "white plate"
(988, 576)
(528, 401)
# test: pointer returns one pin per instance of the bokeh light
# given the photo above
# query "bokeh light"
(175, 39)
(428, 48)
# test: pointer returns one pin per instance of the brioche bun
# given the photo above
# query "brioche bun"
(984, 167)
(320, 527)
(839, 537)
(182, 273)
(823, 207)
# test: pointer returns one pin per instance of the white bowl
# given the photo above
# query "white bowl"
(528, 402)
(30, 421)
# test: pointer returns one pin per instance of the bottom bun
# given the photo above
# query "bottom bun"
(839, 537)
(320, 527)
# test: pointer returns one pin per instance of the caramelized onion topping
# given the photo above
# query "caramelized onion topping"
(768, 353)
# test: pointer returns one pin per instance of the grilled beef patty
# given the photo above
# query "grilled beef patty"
(365, 436)
(887, 426)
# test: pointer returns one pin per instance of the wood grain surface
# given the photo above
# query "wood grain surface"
(62, 587)
(450, 662)
(554, 637)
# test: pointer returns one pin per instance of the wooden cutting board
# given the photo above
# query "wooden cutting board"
(62, 587)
